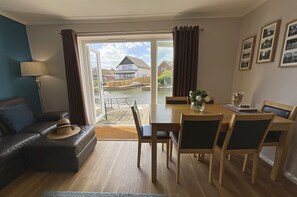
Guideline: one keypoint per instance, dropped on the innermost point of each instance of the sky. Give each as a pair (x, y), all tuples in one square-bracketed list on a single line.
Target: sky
[(113, 53)]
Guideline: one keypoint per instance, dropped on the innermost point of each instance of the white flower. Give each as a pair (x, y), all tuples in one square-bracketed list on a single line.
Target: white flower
[(198, 98), (191, 92), (207, 99)]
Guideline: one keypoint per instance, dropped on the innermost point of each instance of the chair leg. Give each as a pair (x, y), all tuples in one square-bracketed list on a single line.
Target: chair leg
[(200, 156), (222, 165), (171, 144), (244, 162), (138, 154), (255, 165), (210, 167), (167, 153), (229, 157), (177, 167)]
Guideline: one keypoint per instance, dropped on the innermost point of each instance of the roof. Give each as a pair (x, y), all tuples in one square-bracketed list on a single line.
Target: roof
[(133, 60), (169, 63)]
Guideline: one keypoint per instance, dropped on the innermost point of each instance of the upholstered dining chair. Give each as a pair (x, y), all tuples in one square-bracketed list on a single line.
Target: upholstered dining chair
[(198, 134), (245, 135), (177, 100), (144, 133), (282, 110)]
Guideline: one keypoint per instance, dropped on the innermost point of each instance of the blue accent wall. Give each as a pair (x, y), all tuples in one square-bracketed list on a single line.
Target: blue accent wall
[(14, 48)]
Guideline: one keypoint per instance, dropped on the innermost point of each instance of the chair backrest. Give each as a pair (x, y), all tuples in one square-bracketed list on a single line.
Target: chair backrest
[(247, 131), (212, 100), (282, 110), (199, 131), (137, 119), (177, 100)]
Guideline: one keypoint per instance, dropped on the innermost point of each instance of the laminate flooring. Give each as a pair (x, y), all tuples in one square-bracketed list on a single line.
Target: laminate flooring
[(112, 168)]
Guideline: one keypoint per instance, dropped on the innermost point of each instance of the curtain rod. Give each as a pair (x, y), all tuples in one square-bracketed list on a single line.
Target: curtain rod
[(201, 29)]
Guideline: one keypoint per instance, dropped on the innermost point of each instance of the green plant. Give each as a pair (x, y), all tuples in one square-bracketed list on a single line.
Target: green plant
[(165, 77)]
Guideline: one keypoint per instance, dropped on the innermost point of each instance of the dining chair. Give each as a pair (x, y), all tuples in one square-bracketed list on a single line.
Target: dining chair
[(177, 100), (245, 135), (144, 133), (282, 110), (198, 134)]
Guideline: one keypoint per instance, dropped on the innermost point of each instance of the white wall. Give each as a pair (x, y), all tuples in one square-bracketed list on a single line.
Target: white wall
[(268, 81), (218, 44)]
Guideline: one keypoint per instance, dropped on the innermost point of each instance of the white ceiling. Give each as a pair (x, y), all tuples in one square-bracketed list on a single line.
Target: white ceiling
[(73, 11)]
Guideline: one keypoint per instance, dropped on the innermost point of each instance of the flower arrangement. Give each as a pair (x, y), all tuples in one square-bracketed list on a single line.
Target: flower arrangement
[(198, 98)]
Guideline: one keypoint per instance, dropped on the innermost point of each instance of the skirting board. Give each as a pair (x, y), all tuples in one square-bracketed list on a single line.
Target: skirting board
[(286, 173)]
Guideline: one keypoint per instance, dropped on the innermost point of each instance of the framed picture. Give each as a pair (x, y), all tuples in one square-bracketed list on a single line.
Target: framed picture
[(247, 53), (268, 42), (289, 52)]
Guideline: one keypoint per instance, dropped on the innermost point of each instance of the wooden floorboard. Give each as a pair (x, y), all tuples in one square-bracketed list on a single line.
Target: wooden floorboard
[(112, 168)]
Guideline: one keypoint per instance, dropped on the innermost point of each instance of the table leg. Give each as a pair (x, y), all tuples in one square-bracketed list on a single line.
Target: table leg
[(281, 152), (154, 153)]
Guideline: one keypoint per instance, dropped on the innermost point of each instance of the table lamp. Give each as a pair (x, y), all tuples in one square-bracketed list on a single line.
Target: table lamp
[(34, 69)]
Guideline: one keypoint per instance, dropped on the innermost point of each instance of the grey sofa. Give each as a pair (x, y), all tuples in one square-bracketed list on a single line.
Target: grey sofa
[(19, 130)]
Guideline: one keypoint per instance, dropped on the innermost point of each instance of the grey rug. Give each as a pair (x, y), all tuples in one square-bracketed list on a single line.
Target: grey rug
[(96, 194)]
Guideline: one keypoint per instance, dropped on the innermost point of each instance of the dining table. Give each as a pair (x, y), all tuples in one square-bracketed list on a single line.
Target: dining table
[(166, 117)]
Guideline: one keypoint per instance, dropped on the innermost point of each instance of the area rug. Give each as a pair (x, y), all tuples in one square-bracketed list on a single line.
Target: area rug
[(96, 194), (107, 132)]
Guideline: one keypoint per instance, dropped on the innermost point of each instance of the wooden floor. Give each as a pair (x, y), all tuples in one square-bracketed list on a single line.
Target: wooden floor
[(112, 168)]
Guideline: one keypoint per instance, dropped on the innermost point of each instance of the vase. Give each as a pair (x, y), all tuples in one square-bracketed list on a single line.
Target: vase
[(199, 107)]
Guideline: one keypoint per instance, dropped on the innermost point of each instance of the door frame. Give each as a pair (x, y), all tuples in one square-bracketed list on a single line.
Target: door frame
[(83, 40)]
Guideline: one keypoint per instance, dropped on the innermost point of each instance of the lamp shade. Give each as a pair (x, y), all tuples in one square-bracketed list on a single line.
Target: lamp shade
[(33, 69)]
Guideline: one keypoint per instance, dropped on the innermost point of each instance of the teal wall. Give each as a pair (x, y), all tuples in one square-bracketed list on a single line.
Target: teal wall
[(14, 48)]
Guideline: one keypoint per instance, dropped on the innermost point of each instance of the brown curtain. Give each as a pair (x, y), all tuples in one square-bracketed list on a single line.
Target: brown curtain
[(75, 93), (185, 59)]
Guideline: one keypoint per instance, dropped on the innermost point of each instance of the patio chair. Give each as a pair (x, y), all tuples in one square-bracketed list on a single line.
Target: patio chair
[(245, 135), (198, 134), (144, 133)]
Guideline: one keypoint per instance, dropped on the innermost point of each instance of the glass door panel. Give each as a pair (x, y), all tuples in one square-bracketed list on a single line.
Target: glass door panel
[(96, 84), (164, 69)]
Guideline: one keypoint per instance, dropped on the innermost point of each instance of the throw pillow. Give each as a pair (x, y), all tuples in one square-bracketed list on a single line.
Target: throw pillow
[(17, 117)]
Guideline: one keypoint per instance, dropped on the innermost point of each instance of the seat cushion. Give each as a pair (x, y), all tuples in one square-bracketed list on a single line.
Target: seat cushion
[(43, 128), (17, 117), (12, 144), (273, 136), (147, 133)]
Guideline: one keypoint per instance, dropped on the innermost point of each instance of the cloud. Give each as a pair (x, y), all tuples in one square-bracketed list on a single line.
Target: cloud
[(111, 54)]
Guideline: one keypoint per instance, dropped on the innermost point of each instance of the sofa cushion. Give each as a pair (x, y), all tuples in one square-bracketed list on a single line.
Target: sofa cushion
[(43, 128), (17, 117), (52, 116), (12, 144), (3, 130)]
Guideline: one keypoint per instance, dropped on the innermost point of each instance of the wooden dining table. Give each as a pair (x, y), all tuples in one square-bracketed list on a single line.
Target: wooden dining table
[(166, 117)]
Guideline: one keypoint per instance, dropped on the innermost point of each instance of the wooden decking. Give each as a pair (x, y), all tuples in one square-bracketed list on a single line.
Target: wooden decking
[(122, 115)]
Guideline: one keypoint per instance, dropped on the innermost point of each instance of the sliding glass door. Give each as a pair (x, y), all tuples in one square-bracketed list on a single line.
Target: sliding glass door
[(137, 67)]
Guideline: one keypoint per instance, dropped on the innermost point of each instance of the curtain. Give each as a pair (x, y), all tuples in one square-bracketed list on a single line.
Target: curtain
[(72, 67), (185, 59)]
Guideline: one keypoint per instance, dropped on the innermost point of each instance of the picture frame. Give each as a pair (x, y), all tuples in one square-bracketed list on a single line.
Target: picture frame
[(247, 53), (268, 42), (289, 50)]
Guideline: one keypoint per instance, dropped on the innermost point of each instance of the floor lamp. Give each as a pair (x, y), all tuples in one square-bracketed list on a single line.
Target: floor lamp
[(34, 69)]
